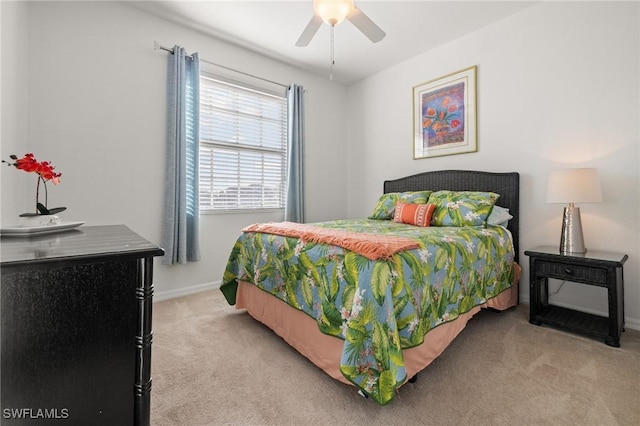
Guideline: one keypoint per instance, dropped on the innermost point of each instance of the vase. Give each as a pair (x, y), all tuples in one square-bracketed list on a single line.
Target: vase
[(43, 217), (39, 220), (441, 133)]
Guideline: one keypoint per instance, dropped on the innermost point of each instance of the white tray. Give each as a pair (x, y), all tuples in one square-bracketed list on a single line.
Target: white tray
[(28, 231)]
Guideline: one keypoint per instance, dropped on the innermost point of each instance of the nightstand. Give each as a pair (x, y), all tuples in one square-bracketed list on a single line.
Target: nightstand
[(597, 268)]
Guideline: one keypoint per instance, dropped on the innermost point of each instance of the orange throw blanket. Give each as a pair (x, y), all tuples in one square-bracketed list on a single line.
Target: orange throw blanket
[(371, 246)]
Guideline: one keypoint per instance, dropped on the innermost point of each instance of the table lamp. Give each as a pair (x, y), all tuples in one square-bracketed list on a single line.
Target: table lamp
[(573, 186)]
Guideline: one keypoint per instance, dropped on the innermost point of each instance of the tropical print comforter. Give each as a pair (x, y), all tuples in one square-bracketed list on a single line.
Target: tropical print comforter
[(378, 307)]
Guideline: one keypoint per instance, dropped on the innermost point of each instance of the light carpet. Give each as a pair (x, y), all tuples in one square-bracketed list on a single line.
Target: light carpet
[(214, 365)]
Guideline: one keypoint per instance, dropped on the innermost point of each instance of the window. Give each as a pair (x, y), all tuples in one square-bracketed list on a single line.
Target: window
[(243, 147)]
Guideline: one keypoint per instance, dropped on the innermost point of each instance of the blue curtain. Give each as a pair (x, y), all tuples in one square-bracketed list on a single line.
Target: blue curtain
[(294, 208), (180, 238)]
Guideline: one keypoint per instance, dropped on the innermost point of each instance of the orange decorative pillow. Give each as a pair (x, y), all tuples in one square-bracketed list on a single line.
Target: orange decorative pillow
[(413, 214)]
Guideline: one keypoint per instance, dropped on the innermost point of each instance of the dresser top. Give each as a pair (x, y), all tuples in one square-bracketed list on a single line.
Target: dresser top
[(82, 242)]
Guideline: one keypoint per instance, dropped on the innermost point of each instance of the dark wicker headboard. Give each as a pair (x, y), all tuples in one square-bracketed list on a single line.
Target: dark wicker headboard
[(505, 184)]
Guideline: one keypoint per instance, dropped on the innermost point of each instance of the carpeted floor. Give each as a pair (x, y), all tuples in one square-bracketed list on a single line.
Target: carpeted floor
[(213, 365)]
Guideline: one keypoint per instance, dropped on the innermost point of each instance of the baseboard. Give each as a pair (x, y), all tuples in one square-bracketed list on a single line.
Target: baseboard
[(172, 294), (631, 323)]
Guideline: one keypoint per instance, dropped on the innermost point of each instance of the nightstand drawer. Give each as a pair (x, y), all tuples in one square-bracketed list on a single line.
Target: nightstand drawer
[(572, 272)]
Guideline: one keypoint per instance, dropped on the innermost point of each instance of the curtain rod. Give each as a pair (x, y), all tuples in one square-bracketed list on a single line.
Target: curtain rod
[(157, 46)]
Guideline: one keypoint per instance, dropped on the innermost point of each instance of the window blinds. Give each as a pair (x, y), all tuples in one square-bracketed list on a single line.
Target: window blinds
[(243, 147)]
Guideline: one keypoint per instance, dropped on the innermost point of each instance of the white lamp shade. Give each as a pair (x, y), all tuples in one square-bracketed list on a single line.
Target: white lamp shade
[(574, 186), (332, 11)]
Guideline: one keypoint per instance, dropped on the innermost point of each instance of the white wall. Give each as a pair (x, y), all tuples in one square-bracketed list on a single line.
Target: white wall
[(558, 87), (86, 91), (13, 129)]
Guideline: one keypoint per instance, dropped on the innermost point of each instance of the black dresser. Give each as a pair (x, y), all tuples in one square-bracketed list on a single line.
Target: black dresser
[(76, 327)]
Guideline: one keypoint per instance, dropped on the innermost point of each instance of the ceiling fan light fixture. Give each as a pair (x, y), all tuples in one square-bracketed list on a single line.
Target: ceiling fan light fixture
[(333, 11)]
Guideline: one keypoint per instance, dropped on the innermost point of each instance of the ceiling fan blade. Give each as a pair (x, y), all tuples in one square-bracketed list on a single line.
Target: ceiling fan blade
[(366, 25), (309, 31)]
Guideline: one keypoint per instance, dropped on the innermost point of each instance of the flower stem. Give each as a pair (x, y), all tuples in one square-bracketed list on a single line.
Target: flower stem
[(38, 193), (46, 193)]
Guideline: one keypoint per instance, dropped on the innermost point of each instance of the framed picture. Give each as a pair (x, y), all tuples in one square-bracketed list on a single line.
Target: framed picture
[(444, 115)]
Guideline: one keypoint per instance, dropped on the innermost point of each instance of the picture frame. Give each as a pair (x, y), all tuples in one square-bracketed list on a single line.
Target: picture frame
[(444, 115)]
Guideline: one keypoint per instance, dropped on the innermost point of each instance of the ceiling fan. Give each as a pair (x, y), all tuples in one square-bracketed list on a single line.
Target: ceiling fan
[(332, 12)]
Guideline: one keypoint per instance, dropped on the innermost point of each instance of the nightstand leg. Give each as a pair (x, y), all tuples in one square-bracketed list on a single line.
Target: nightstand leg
[(612, 342), (615, 290), (538, 295)]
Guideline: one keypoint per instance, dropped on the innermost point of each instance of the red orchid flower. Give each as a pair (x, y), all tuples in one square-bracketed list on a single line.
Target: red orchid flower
[(45, 172), (29, 164)]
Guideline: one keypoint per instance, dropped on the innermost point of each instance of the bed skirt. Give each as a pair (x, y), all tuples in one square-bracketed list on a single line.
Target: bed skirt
[(301, 331)]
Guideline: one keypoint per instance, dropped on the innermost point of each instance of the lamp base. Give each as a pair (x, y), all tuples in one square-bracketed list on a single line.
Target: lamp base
[(571, 240)]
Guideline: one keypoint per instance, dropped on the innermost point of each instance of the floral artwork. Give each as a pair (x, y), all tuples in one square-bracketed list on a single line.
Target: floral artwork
[(444, 115)]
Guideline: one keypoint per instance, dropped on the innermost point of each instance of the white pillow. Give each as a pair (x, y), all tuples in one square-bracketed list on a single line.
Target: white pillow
[(499, 216)]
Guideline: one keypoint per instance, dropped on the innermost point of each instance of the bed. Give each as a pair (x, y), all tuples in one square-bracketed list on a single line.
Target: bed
[(373, 302)]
